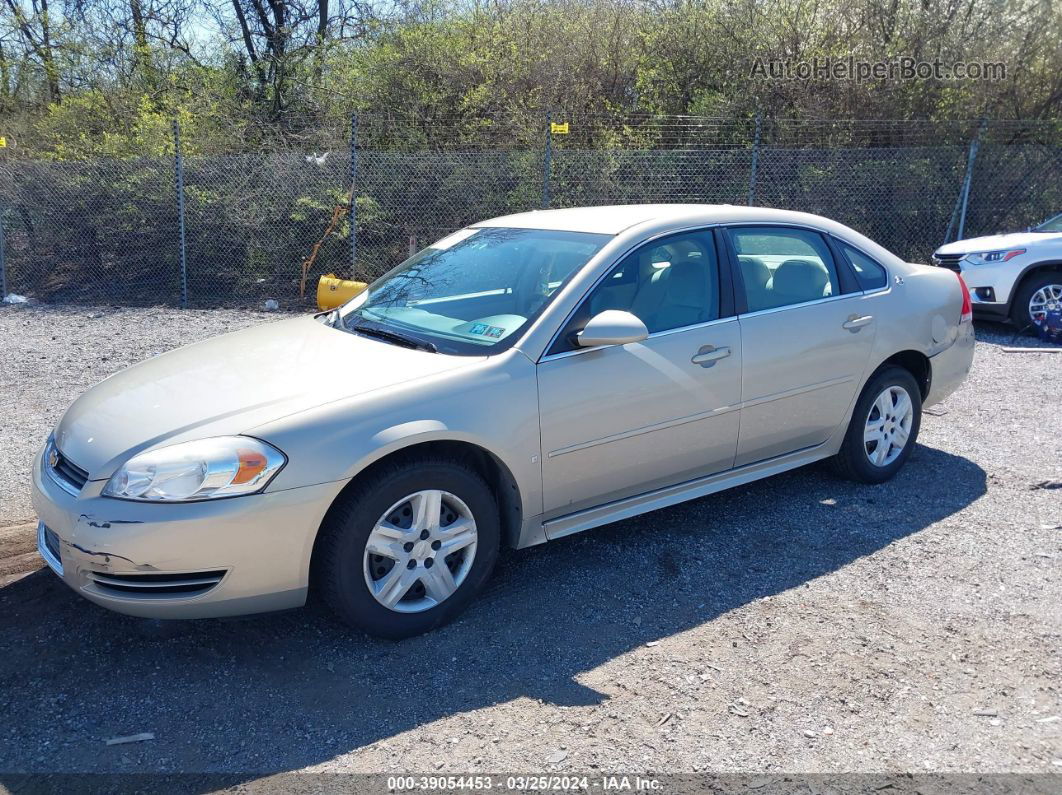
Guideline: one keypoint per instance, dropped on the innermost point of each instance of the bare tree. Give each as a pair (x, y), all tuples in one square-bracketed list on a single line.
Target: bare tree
[(35, 26), (276, 35)]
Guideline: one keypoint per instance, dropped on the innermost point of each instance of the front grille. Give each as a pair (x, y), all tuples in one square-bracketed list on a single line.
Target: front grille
[(64, 470), (949, 261), (157, 586)]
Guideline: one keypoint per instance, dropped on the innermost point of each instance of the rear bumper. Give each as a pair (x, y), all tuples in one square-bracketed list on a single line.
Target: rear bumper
[(950, 367), (191, 560)]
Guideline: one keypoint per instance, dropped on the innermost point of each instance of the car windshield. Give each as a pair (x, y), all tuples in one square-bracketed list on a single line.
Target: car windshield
[(472, 292), (1051, 225)]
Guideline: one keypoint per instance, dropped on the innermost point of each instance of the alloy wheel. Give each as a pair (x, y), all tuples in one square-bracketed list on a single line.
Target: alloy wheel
[(1044, 300), (420, 551), (888, 426)]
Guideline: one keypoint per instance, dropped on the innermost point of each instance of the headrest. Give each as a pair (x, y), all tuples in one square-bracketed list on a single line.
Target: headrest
[(800, 278), (754, 270), (687, 283)]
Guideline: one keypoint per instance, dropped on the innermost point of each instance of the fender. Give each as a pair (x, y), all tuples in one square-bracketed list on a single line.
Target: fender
[(337, 441), (397, 438)]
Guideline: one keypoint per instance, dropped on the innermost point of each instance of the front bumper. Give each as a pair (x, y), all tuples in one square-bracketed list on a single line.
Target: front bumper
[(221, 557), (988, 310), (990, 285)]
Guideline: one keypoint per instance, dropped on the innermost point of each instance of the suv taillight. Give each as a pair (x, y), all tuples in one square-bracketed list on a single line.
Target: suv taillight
[(967, 303)]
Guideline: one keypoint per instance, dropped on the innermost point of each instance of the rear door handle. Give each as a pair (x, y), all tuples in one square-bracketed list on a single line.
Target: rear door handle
[(856, 322), (709, 355)]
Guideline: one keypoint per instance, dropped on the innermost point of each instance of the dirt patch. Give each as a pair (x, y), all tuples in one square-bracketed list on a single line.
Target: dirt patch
[(18, 551)]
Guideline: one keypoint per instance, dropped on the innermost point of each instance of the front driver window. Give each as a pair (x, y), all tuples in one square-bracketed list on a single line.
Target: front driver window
[(667, 284), (782, 266)]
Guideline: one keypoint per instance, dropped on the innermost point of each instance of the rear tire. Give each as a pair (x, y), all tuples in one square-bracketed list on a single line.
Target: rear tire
[(1037, 283), (883, 429), (380, 513)]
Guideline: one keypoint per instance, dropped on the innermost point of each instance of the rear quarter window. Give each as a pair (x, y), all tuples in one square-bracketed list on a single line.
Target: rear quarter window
[(870, 274)]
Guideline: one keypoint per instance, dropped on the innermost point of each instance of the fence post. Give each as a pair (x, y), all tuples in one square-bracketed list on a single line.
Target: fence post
[(755, 161), (178, 166), (974, 146), (964, 194), (3, 263), (353, 195), (547, 160)]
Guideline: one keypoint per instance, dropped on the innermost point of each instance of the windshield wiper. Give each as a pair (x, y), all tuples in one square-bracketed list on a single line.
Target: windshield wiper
[(397, 339)]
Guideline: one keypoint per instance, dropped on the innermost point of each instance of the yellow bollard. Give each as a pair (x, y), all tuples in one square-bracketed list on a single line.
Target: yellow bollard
[(333, 291)]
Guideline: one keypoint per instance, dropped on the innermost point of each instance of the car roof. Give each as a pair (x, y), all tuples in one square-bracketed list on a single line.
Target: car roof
[(643, 220), (614, 219)]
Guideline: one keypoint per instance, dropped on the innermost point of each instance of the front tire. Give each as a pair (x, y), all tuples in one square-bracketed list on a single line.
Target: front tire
[(883, 429), (407, 547), (1038, 293)]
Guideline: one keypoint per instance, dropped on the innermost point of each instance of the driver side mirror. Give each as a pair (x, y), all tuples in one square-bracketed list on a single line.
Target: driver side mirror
[(611, 327)]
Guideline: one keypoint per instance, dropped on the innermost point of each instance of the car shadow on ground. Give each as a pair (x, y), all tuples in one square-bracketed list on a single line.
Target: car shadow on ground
[(281, 692)]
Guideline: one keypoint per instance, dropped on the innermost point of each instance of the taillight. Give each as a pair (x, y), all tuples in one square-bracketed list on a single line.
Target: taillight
[(967, 303)]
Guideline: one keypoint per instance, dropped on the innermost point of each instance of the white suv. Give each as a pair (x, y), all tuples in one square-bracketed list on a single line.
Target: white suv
[(1016, 276)]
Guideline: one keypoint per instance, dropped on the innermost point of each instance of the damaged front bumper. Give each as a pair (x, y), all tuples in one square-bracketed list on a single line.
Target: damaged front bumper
[(221, 557)]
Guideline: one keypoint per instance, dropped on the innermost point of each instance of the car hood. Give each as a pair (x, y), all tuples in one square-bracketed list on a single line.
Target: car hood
[(975, 245), (229, 384)]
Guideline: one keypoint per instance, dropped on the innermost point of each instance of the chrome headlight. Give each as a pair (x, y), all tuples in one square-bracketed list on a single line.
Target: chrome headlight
[(993, 257), (224, 466)]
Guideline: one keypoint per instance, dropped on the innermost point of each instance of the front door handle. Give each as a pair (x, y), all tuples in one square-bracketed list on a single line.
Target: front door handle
[(856, 322), (709, 355)]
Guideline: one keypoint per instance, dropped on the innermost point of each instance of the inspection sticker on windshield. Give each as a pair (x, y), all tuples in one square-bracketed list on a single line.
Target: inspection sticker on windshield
[(487, 331)]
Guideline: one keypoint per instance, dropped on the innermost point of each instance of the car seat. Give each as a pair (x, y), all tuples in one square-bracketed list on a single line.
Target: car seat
[(796, 281), (685, 298), (757, 278)]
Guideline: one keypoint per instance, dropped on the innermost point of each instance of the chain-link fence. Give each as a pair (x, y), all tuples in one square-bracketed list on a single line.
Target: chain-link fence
[(239, 228)]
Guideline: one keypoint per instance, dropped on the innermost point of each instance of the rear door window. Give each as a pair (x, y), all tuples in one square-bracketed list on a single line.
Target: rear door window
[(783, 266)]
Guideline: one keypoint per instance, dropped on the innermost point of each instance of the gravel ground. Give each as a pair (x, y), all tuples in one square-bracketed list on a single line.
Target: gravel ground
[(800, 624)]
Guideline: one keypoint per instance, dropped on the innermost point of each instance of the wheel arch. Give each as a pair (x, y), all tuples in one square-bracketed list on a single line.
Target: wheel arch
[(1027, 273), (916, 363), (487, 464)]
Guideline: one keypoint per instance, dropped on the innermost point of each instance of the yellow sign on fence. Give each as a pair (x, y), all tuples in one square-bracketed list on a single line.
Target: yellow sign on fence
[(558, 128), (3, 141)]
